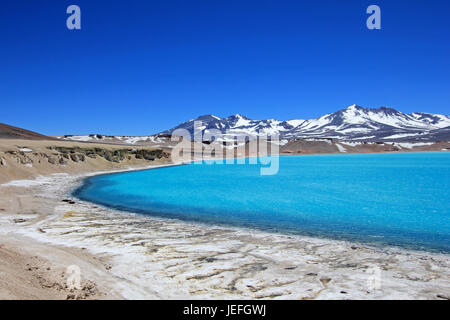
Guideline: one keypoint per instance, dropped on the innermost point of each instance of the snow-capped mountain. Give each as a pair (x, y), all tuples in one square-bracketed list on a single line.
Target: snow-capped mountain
[(353, 123)]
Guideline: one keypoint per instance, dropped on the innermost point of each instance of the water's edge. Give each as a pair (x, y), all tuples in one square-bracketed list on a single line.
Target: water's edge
[(379, 244)]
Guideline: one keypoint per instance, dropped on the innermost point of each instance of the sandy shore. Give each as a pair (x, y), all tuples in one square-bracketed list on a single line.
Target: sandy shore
[(121, 255)]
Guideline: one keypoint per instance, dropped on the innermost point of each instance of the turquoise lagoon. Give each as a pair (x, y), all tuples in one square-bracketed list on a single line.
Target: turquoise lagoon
[(394, 199)]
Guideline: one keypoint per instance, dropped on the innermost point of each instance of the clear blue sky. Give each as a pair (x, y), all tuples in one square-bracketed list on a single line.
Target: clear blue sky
[(140, 67)]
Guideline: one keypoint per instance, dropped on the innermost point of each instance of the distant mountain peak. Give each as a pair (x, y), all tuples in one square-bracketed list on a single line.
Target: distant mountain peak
[(354, 107), (238, 116), (386, 110), (208, 117)]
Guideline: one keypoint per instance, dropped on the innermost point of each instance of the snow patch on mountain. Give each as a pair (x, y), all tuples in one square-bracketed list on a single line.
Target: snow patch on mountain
[(341, 148), (133, 140)]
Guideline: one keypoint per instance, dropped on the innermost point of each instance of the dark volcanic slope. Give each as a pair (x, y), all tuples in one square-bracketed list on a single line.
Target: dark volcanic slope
[(10, 132)]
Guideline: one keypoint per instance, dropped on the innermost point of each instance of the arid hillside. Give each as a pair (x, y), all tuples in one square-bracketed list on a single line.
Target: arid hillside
[(20, 159), (10, 132)]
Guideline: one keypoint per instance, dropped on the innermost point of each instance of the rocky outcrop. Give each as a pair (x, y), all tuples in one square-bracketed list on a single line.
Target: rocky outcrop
[(51, 160), (78, 154), (20, 157), (43, 158), (74, 157), (59, 155)]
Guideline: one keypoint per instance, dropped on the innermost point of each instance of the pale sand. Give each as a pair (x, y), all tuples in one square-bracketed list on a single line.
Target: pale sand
[(122, 255), (37, 270)]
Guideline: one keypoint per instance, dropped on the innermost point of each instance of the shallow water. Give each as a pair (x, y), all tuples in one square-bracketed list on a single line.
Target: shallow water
[(397, 199)]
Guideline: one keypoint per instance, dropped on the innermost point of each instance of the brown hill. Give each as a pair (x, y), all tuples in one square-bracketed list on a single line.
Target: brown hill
[(10, 132)]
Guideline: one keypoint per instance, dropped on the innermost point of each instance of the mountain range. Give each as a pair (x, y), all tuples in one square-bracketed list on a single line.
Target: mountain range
[(354, 123)]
